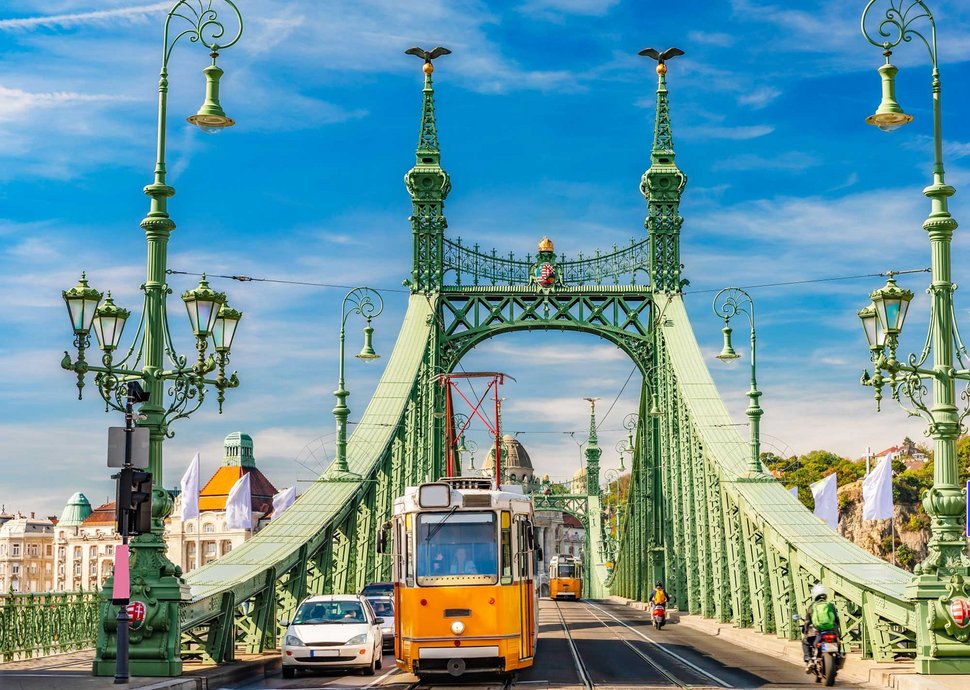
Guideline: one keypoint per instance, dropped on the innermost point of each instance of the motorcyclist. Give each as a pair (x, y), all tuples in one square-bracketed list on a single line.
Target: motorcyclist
[(821, 615), (659, 595)]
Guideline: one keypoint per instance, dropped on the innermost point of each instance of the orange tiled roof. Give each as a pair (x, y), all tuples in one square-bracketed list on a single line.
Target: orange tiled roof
[(214, 494), (102, 515)]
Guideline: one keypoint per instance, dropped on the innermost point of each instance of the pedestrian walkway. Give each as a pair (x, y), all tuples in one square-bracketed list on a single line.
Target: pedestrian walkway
[(73, 672)]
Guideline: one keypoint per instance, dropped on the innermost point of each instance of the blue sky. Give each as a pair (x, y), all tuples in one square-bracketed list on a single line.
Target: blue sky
[(545, 116)]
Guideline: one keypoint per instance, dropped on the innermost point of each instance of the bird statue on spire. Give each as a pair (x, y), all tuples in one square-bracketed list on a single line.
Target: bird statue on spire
[(428, 56), (661, 58)]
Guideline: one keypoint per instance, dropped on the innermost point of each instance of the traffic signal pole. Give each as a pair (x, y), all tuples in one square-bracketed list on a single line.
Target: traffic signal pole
[(130, 503)]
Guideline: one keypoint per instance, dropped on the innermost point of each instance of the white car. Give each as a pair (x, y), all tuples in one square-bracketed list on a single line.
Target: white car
[(333, 631), (384, 608)]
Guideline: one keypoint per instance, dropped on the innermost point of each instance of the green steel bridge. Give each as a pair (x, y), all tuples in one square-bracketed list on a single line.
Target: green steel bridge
[(736, 547)]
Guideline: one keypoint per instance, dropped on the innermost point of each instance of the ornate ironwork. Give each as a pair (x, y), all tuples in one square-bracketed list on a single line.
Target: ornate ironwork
[(52, 623), (472, 267)]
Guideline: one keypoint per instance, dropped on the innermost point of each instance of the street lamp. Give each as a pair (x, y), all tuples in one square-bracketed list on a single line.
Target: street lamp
[(175, 387), (361, 300), (727, 304), (946, 563)]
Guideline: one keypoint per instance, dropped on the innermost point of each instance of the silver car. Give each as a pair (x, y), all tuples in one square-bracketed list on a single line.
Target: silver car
[(384, 608), (333, 631)]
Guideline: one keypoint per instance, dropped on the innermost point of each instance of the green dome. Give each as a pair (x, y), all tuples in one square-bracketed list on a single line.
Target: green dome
[(76, 511)]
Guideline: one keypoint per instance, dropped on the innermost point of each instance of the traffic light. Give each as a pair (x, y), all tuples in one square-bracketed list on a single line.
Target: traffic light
[(134, 504)]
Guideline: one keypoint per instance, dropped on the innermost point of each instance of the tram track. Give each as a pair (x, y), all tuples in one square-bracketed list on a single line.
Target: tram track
[(660, 647), (581, 671), (681, 673)]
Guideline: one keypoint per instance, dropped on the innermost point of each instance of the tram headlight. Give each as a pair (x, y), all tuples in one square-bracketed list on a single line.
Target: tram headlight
[(292, 641), (458, 627), (357, 639)]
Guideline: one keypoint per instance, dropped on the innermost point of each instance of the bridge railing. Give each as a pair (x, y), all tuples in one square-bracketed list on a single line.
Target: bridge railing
[(38, 624), (731, 548), (471, 266)]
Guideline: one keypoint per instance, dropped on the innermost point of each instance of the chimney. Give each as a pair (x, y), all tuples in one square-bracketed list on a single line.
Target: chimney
[(31, 515)]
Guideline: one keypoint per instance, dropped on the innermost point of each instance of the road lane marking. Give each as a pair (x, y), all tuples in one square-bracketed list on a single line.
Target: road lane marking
[(663, 648)]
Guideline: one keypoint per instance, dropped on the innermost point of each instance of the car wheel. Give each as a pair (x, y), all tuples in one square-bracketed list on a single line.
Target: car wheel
[(371, 669), (289, 672)]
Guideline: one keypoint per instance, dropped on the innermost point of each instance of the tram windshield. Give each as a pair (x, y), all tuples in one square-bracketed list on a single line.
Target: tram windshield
[(568, 570), (457, 545)]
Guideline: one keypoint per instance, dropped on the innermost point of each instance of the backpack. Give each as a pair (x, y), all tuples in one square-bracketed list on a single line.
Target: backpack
[(660, 596), (823, 615)]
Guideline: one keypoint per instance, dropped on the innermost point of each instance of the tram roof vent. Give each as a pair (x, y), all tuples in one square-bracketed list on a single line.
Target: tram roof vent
[(480, 483)]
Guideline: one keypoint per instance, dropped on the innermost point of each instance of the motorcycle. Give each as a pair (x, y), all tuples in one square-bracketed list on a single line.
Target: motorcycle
[(827, 658), (659, 615)]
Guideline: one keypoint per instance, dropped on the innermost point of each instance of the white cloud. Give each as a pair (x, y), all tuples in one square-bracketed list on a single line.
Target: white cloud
[(789, 161), (759, 97), (740, 132), (73, 20), (711, 38), (549, 9)]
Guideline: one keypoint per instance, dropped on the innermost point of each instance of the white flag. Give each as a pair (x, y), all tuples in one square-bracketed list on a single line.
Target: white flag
[(239, 505), (794, 492), (826, 501), (877, 491), (190, 490), (283, 500)]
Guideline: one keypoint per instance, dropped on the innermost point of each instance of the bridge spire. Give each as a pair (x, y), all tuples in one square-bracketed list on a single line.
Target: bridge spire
[(428, 184), (661, 185), (592, 452)]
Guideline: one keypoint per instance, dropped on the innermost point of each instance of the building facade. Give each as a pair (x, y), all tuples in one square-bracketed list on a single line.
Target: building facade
[(85, 542), (197, 541), (26, 554)]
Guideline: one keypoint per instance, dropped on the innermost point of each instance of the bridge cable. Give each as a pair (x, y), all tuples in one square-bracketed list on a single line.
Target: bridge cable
[(884, 274)]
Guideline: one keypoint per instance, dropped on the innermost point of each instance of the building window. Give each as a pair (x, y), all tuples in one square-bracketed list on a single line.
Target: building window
[(226, 546), (77, 553), (77, 570), (3, 549), (92, 552), (50, 550), (210, 549), (93, 569), (209, 529), (15, 569), (15, 550), (32, 550), (109, 550)]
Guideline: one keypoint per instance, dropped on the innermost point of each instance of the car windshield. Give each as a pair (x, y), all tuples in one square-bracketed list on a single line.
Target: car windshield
[(457, 545), (378, 588), (383, 608), (316, 612)]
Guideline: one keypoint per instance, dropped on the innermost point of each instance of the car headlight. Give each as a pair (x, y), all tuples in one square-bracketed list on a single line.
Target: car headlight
[(357, 639), (292, 641)]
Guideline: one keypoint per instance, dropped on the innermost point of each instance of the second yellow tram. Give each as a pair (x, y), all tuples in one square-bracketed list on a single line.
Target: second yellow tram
[(465, 579), (565, 577)]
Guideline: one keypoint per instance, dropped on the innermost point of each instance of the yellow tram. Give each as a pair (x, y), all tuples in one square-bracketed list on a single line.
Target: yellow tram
[(465, 585), (565, 577)]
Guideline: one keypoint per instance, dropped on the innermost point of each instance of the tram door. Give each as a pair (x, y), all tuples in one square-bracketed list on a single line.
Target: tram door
[(526, 584)]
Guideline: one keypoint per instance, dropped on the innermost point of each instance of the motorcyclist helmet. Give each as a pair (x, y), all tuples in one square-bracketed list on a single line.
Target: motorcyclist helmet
[(819, 592), (660, 585)]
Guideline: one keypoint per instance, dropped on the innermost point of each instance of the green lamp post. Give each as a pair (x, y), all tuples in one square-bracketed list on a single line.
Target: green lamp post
[(728, 303), (361, 300), (940, 581), (175, 387)]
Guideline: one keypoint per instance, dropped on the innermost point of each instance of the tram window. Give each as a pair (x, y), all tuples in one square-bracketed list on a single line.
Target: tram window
[(567, 570), (456, 545), (506, 549)]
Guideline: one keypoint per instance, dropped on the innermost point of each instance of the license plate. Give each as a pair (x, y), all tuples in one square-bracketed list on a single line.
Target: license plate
[(830, 647), (323, 652)]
